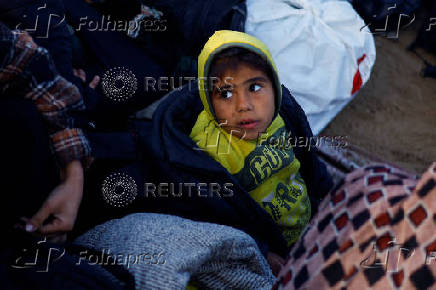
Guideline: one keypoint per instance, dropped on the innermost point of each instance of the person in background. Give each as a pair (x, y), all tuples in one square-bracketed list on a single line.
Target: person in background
[(45, 153)]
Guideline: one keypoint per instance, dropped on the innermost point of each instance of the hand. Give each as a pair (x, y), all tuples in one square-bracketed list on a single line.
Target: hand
[(275, 262), (59, 211), (80, 73)]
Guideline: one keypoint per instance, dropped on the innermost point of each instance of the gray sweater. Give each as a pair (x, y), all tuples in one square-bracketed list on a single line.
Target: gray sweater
[(165, 252)]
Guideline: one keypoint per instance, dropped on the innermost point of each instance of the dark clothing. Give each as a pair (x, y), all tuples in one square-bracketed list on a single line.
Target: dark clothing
[(33, 263), (189, 25), (97, 52), (105, 51), (172, 158), (195, 21), (168, 157), (29, 166), (36, 105), (45, 22), (28, 72)]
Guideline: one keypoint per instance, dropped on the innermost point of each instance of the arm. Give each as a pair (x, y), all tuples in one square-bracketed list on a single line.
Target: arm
[(27, 70), (275, 262), (62, 204)]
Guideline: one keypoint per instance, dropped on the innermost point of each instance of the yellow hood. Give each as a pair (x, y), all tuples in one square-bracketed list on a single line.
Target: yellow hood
[(221, 40)]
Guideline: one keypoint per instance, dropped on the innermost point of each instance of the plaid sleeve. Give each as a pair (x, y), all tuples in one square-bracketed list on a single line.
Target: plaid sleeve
[(26, 69)]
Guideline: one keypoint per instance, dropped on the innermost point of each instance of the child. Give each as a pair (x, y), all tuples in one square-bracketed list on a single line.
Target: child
[(230, 138), (243, 100), (242, 95)]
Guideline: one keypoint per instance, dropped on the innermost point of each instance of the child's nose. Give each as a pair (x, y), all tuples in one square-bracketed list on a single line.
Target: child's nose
[(243, 103)]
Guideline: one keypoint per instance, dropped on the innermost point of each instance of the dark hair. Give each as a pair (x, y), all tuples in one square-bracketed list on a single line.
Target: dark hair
[(232, 57)]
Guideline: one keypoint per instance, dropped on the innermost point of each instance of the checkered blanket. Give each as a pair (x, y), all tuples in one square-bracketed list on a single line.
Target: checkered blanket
[(377, 230)]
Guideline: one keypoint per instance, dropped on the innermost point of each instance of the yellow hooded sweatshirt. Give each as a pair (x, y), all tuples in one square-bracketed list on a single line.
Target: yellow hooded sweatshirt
[(269, 172)]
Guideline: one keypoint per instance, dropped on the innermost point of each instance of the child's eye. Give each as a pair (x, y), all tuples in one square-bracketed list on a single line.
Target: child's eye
[(226, 94), (255, 87)]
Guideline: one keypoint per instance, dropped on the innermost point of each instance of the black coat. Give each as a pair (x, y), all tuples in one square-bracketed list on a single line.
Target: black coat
[(169, 157)]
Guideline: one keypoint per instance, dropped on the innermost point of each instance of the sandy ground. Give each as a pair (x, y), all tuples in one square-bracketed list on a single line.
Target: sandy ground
[(394, 115)]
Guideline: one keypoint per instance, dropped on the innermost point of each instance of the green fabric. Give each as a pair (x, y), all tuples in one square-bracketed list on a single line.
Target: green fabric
[(269, 173), (267, 170)]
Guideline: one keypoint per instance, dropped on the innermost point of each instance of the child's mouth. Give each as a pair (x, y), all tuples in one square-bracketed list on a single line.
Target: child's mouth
[(248, 124)]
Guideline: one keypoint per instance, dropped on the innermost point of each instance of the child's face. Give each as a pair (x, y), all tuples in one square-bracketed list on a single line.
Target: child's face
[(243, 100)]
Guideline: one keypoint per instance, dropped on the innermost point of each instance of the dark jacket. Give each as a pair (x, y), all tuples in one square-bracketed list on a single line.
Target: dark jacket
[(169, 157), (44, 20)]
